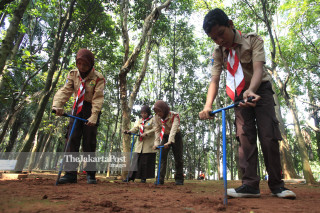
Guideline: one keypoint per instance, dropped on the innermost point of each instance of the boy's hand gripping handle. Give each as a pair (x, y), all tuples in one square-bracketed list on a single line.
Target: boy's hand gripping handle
[(71, 116), (231, 106)]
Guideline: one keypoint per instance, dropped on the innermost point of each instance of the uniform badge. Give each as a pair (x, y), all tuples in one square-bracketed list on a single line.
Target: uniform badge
[(92, 83)]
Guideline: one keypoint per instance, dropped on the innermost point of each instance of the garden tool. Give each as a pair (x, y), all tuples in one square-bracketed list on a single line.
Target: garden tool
[(68, 143)]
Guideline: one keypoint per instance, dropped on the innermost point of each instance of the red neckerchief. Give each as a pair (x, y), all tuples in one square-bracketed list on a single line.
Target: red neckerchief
[(144, 120)]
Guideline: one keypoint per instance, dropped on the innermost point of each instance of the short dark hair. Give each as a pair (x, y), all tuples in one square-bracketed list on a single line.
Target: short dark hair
[(146, 109), (215, 17)]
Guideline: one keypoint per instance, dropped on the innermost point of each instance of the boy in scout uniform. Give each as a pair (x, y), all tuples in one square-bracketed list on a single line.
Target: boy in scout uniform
[(87, 85), (144, 157), (167, 133), (242, 56)]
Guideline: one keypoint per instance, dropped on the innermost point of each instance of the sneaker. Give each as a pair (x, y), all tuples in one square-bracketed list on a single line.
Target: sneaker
[(68, 178), (283, 192), (244, 191), (179, 182)]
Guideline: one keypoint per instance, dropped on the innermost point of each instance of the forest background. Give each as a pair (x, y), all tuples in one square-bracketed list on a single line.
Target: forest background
[(149, 50)]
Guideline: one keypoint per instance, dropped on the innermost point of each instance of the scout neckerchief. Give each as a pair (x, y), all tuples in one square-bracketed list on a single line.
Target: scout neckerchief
[(144, 120), (164, 127), (235, 78), (80, 97)]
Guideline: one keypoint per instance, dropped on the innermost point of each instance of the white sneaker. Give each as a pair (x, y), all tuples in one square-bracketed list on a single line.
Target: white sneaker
[(283, 192), (244, 191)]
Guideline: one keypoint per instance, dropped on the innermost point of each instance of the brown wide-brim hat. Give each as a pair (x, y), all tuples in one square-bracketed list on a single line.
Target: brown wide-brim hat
[(85, 55), (163, 107)]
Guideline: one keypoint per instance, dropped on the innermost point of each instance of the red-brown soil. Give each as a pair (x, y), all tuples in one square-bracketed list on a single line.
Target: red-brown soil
[(37, 193)]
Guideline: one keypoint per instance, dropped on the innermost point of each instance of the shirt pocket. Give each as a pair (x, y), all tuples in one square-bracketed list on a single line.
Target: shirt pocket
[(89, 91)]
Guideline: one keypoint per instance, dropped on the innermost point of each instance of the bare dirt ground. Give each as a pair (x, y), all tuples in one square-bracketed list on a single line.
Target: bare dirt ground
[(37, 193)]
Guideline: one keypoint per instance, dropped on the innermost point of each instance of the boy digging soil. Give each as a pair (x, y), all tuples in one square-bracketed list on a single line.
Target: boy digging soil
[(243, 56)]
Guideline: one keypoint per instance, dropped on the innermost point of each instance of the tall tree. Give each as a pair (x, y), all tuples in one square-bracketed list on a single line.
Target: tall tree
[(7, 43), (267, 9), (129, 60), (49, 84)]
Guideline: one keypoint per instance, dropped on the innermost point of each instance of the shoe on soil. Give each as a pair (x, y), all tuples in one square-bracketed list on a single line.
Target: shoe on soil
[(244, 191), (283, 192), (68, 178), (161, 182), (127, 180), (91, 179), (179, 182), (143, 180)]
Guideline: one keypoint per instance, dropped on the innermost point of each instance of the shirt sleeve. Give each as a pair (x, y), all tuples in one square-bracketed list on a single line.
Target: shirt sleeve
[(217, 62), (98, 98), (64, 93), (258, 53), (136, 127), (157, 131), (174, 129)]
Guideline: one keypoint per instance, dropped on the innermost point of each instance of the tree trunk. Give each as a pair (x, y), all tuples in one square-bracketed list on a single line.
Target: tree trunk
[(128, 63), (285, 152), (13, 134), (3, 17), (45, 149), (314, 114), (231, 142), (17, 46), (7, 42), (48, 85), (301, 143)]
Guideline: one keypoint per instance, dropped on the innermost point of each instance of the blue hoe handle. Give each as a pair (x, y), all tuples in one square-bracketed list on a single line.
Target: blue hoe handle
[(159, 166), (71, 116), (230, 106), (132, 145), (68, 143), (224, 142)]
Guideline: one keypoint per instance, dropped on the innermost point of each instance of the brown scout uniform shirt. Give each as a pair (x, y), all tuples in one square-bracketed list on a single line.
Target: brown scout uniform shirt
[(144, 146), (250, 49), (94, 85), (172, 126)]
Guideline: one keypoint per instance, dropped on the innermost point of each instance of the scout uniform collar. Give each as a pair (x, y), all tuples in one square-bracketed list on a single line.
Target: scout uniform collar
[(89, 76), (237, 37), (237, 40), (167, 117)]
